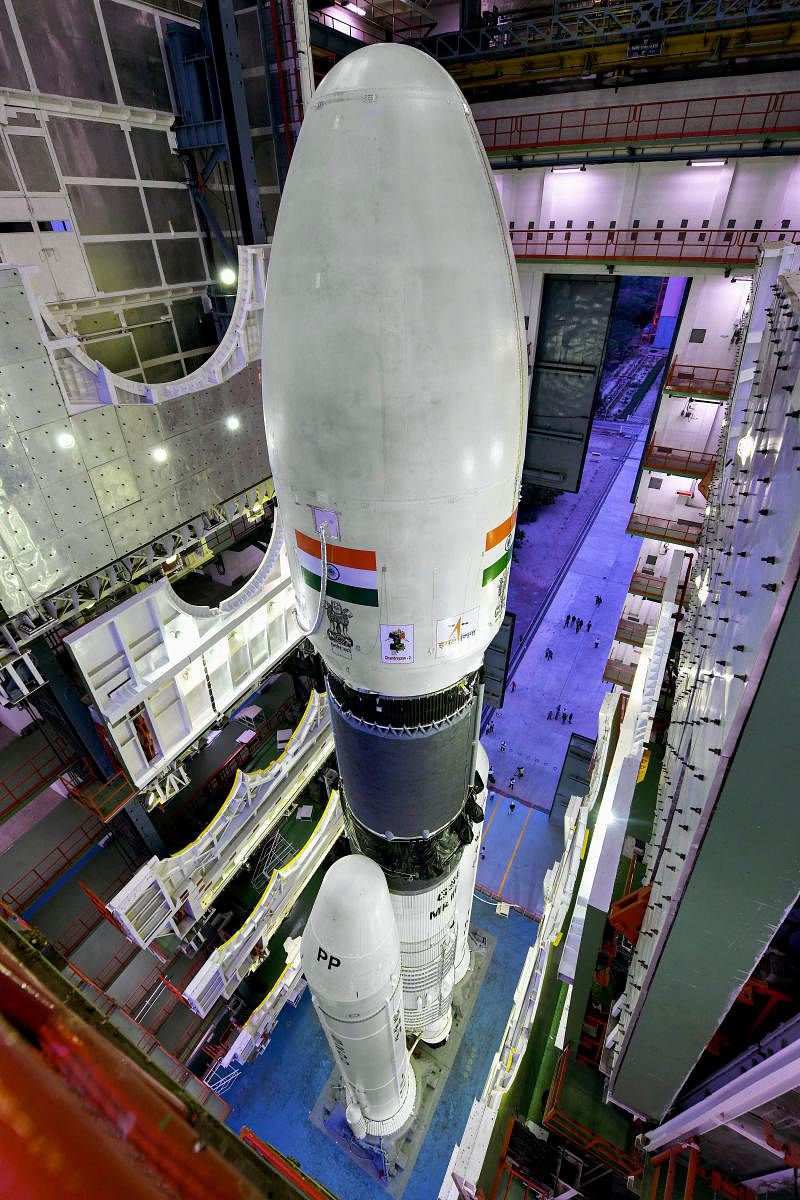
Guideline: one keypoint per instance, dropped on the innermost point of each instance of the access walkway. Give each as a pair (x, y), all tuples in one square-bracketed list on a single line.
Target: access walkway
[(520, 844)]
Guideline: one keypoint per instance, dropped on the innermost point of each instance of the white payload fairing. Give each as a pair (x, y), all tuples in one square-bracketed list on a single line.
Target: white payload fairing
[(395, 394)]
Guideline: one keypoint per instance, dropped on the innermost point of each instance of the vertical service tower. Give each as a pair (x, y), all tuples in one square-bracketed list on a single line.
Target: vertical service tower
[(395, 392)]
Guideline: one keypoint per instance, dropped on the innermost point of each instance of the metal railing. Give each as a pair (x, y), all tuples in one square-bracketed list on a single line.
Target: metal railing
[(597, 24), (647, 245), (677, 532), (647, 586), (90, 918), (34, 775), (103, 797), (555, 1118), (632, 632), (115, 965), (30, 886), (660, 120), (345, 27), (145, 1040), (706, 381), (619, 672), (678, 462)]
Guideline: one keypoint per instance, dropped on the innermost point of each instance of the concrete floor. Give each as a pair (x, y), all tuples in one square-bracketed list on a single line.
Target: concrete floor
[(521, 845)]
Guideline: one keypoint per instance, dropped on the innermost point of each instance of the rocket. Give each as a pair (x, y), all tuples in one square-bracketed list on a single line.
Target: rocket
[(395, 395)]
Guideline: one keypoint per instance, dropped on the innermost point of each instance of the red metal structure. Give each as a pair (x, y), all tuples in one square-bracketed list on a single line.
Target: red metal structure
[(80, 1118), (722, 116), (666, 531), (288, 1169), (647, 586), (693, 463), (632, 632), (35, 881), (555, 1118), (646, 245), (44, 766), (627, 914), (705, 381), (619, 672)]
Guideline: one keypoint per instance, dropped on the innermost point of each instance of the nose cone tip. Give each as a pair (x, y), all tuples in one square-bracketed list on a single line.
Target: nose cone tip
[(386, 66), (353, 886)]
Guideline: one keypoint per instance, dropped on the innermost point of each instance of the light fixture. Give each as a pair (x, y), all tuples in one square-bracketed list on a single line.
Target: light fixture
[(173, 558), (745, 448), (227, 276), (232, 422), (741, 278), (707, 162), (571, 170), (702, 587), (361, 12), (65, 440), (160, 454)]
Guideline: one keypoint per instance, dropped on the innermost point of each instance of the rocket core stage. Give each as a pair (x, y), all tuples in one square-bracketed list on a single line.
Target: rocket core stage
[(395, 391)]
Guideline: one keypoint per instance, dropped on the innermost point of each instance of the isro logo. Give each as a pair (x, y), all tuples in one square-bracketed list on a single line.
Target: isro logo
[(454, 632)]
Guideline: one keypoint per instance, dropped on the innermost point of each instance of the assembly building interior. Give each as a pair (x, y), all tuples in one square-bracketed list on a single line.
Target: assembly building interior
[(180, 767)]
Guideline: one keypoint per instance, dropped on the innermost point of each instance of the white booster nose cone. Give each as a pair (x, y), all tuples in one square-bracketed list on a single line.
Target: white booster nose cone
[(351, 959)]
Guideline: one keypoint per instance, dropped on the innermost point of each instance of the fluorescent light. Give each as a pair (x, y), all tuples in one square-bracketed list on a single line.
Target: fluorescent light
[(567, 170), (232, 422), (362, 12), (65, 440), (702, 587), (227, 276), (160, 454), (745, 448), (707, 162)]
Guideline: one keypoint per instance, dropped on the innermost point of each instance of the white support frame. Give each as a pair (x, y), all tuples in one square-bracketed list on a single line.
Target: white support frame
[(170, 895), (227, 966)]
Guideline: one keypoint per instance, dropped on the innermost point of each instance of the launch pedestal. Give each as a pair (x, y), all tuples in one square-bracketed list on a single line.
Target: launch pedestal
[(391, 1161)]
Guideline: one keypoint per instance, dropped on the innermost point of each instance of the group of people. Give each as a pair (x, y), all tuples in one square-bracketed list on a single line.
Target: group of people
[(572, 619), (565, 719)]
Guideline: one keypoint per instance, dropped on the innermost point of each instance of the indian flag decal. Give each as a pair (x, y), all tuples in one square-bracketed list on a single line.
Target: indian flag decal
[(499, 543), (352, 574)]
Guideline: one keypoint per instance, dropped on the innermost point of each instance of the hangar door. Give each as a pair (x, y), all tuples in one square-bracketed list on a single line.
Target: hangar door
[(574, 324)]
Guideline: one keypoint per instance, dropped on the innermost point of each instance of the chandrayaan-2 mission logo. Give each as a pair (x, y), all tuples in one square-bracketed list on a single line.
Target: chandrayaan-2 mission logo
[(397, 643)]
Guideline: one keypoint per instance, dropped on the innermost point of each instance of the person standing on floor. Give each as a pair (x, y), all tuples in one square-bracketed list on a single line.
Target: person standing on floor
[(567, 619), (588, 626)]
